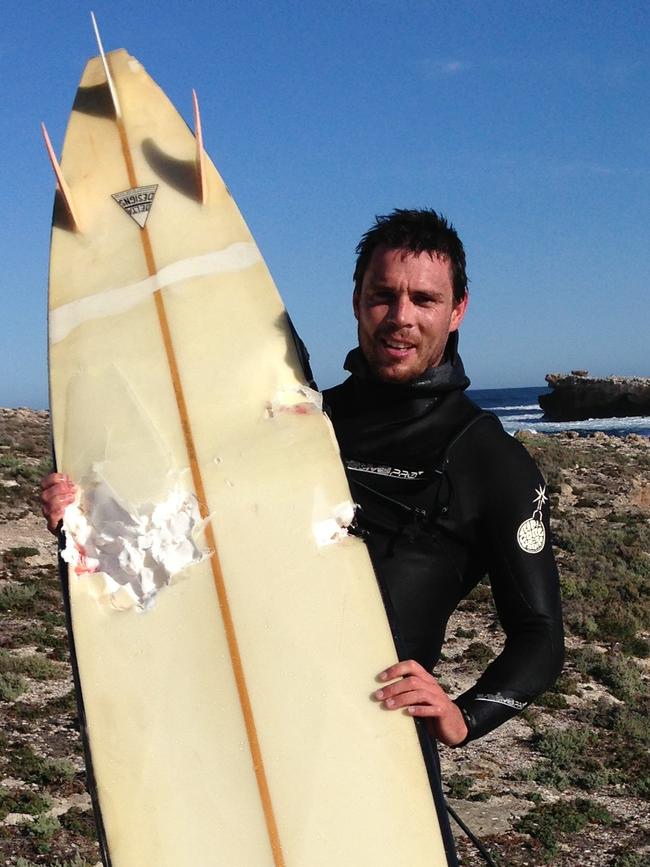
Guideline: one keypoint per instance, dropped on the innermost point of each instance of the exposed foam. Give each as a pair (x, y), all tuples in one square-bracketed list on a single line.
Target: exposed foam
[(334, 527), (136, 550)]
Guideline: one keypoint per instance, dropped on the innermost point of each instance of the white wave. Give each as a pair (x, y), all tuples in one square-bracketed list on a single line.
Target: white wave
[(633, 424), (522, 417), (498, 409)]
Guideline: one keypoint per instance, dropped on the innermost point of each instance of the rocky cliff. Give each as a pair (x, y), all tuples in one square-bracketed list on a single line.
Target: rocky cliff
[(577, 396)]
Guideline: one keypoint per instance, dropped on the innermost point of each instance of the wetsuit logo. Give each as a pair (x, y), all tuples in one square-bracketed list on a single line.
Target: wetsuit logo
[(531, 535), (390, 472), (137, 202), (498, 698)]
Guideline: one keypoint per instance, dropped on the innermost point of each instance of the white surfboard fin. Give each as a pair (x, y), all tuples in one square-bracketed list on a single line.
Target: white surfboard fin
[(109, 77), (200, 153), (61, 183)]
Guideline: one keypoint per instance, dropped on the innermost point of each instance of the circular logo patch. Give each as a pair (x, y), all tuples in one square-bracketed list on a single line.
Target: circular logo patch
[(531, 536)]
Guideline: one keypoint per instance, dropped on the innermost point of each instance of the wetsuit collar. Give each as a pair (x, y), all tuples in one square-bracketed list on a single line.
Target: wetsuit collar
[(448, 376)]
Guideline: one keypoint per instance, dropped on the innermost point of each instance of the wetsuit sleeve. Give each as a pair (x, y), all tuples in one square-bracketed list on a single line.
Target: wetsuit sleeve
[(515, 534)]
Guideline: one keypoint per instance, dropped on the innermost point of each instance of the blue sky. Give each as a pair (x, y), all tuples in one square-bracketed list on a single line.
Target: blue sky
[(527, 124)]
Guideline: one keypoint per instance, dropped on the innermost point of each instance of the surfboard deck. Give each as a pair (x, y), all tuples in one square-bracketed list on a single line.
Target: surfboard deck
[(227, 710)]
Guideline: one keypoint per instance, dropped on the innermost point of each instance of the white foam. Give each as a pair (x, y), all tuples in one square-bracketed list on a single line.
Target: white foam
[(516, 406), (616, 425), (335, 527), (298, 399), (136, 550)]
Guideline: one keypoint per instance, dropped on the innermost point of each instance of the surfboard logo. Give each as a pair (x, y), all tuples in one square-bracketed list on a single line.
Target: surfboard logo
[(531, 535), (137, 202)]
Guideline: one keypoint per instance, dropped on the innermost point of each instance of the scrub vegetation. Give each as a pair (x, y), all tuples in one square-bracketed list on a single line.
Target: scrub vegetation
[(581, 753), (566, 783)]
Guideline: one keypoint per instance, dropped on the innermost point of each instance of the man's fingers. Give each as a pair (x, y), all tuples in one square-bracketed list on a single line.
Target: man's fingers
[(57, 492), (416, 692), (425, 710), (53, 514), (401, 669), (407, 684), (56, 504), (412, 697), (55, 479)]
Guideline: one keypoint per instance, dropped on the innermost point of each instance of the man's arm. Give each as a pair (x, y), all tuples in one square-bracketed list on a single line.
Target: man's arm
[(525, 587)]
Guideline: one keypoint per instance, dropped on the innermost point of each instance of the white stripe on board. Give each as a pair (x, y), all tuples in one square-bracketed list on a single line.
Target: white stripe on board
[(67, 317)]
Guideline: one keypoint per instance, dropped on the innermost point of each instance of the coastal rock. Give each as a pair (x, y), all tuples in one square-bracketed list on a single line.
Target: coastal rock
[(576, 397)]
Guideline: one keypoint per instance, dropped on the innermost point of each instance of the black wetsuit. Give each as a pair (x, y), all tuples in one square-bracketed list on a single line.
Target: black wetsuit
[(445, 497)]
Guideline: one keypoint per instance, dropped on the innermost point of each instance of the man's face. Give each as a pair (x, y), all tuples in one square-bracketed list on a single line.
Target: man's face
[(406, 311)]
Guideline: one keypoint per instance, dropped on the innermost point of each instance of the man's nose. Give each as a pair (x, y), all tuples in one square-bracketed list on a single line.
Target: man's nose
[(401, 312)]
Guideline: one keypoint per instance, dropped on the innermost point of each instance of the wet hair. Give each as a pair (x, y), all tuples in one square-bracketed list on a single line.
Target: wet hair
[(420, 230)]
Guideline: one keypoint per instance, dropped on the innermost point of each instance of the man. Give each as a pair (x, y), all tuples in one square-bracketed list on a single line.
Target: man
[(445, 495)]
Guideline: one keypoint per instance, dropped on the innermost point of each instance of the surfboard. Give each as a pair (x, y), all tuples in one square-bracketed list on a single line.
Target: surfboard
[(226, 628)]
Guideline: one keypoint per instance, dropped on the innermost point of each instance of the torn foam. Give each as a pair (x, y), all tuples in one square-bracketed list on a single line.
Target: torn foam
[(136, 550)]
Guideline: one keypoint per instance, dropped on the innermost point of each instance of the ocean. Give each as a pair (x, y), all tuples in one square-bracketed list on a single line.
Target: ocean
[(518, 409)]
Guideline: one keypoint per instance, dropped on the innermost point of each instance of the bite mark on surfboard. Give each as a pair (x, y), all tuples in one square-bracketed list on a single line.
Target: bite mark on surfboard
[(135, 550), (300, 400), (334, 527)]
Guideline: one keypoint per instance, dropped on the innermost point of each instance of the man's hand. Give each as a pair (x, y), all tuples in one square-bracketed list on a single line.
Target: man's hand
[(421, 695), (57, 492)]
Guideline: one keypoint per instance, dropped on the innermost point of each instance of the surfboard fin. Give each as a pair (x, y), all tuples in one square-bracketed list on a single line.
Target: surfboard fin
[(109, 77), (200, 153), (64, 189)]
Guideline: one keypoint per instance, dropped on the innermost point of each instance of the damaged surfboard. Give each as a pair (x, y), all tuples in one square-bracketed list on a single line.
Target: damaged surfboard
[(226, 628)]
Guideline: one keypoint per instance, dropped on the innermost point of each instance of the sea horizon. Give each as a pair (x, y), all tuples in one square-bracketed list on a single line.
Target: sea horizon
[(518, 409)]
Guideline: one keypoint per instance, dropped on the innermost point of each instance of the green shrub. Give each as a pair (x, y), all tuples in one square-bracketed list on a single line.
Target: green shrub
[(41, 831), (629, 859), (639, 647), (24, 764), (34, 665), (615, 671), (77, 861), (11, 686), (552, 700), (78, 822), (15, 555), (547, 822), (16, 597), (479, 652), (459, 785), (22, 801), (21, 470), (566, 684)]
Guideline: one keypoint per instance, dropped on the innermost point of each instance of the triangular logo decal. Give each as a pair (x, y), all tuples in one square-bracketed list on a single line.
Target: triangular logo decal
[(137, 202)]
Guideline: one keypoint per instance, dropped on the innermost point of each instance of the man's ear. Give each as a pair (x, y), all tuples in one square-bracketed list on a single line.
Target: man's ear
[(458, 313), (355, 303)]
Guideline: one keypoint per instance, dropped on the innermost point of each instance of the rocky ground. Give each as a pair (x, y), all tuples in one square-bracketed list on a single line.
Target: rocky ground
[(566, 783)]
